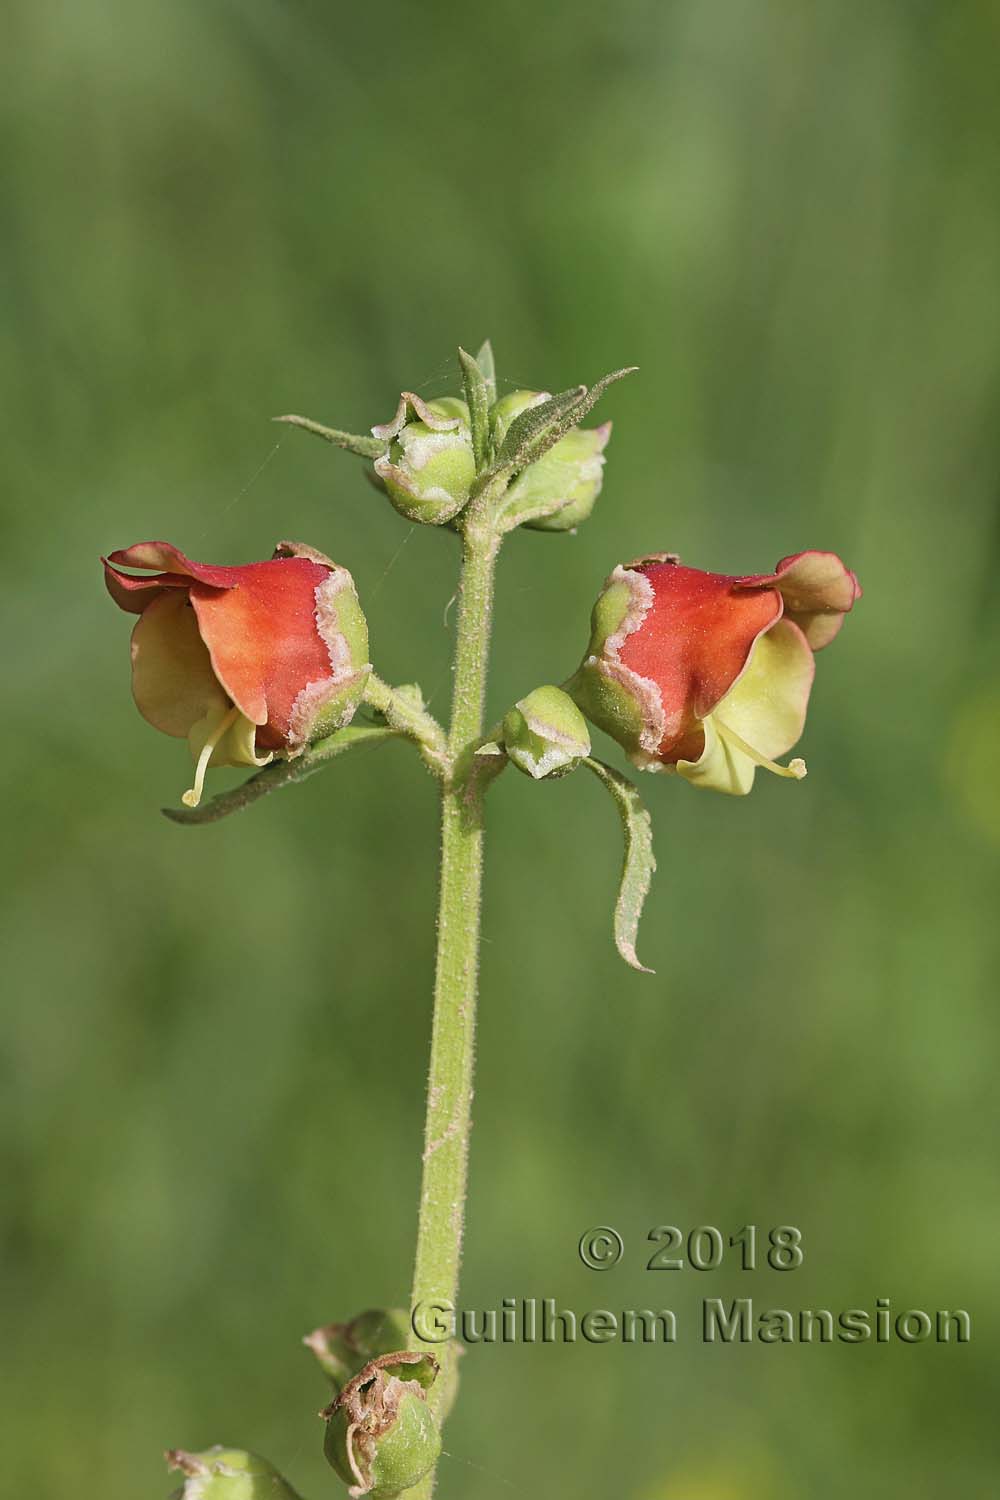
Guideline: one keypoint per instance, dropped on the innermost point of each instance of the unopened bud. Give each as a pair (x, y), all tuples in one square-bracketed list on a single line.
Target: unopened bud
[(228, 1474), (430, 466), (567, 478), (381, 1437), (545, 734)]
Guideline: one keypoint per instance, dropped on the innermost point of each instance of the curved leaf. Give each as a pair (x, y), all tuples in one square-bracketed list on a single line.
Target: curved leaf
[(638, 864)]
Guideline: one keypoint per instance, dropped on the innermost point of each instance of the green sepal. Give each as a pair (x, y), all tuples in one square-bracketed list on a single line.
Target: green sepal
[(545, 734), (638, 863), (364, 447), (619, 700), (281, 773), (477, 398), (381, 1436), (610, 702), (487, 366), (609, 612), (444, 414), (228, 1474)]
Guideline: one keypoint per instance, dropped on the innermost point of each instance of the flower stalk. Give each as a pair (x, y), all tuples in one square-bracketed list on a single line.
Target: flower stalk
[(449, 1090)]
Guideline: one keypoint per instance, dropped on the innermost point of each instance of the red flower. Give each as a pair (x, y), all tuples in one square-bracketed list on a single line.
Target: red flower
[(709, 675), (242, 661)]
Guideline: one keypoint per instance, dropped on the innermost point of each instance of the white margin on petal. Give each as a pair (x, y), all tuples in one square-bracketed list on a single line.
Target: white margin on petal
[(314, 697), (408, 399), (642, 596)]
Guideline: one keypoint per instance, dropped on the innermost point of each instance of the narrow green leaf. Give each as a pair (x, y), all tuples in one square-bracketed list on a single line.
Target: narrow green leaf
[(364, 447), (281, 773), (486, 363), (638, 864), (535, 422), (597, 390), (478, 401), (570, 417)]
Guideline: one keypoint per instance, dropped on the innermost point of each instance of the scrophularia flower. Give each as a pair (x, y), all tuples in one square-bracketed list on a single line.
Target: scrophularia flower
[(244, 662), (708, 675)]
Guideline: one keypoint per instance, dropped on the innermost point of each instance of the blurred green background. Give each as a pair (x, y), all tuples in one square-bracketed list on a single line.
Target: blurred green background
[(214, 1040)]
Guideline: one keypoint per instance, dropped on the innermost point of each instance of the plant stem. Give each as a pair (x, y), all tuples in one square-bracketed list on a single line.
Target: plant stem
[(449, 1091), (406, 714)]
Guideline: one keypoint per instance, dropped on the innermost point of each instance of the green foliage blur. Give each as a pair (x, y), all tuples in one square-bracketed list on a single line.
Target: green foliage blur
[(214, 1040)]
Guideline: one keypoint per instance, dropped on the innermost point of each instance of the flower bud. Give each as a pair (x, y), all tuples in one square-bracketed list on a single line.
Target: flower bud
[(571, 471), (503, 412), (381, 1437), (430, 466), (343, 1349), (228, 1474), (545, 734)]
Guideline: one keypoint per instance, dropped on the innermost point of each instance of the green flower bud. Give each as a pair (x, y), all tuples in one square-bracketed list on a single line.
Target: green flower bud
[(545, 734), (570, 472), (503, 412), (430, 466), (345, 1348), (228, 1474), (381, 1437), (573, 471)]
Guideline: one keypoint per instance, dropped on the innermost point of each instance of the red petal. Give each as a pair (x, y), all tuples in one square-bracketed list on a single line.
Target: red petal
[(694, 642), (163, 555), (263, 640), (134, 594)]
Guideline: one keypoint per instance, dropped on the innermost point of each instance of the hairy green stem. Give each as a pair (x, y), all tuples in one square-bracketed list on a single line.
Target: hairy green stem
[(449, 1091), (403, 710)]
